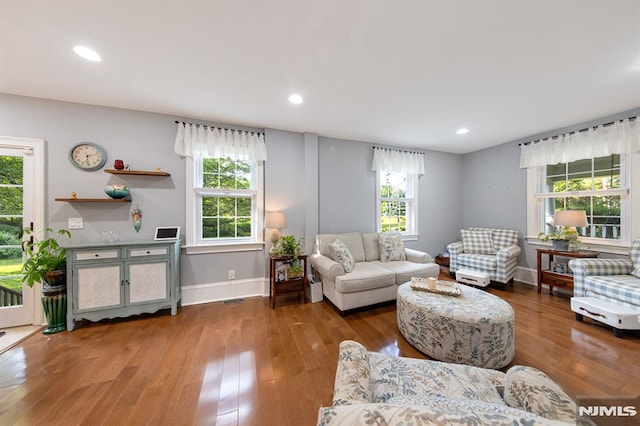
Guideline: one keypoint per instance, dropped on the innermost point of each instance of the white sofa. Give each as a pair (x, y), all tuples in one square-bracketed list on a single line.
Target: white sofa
[(371, 281), (375, 388)]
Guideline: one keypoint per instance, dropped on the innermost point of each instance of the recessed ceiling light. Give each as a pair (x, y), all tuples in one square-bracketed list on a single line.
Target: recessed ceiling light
[(462, 131), (295, 99), (88, 54)]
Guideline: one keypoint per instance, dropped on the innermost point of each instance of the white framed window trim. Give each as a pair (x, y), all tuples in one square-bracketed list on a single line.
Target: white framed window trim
[(194, 243), (411, 200), (630, 207)]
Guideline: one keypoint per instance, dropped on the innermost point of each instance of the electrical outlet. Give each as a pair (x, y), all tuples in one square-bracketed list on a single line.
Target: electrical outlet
[(231, 274), (75, 223)]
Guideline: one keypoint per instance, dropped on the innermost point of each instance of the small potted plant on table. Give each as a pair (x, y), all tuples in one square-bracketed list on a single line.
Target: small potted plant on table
[(47, 263), (560, 237)]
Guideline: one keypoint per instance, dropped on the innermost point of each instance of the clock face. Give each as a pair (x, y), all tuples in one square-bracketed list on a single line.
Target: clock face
[(87, 156)]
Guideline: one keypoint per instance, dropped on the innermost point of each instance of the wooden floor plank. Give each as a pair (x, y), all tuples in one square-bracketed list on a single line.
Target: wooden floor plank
[(246, 364)]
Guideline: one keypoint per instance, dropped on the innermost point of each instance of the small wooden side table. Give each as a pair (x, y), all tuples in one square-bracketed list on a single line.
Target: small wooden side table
[(557, 278), (280, 280)]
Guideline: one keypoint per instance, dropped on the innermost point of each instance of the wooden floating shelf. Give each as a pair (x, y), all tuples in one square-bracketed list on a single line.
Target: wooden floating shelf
[(137, 172), (95, 200)]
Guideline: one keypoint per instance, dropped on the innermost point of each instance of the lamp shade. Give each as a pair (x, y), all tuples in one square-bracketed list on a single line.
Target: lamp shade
[(570, 218), (275, 220)]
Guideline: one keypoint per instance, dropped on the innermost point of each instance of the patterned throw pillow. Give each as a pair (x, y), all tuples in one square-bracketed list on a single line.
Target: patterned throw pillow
[(341, 254), (391, 247), (477, 241), (634, 253)]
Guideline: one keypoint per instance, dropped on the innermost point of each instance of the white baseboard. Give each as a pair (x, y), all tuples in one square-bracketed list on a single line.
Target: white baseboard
[(226, 290), (526, 275)]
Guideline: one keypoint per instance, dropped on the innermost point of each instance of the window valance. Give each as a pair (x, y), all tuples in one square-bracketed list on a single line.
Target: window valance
[(194, 140), (393, 160), (619, 137)]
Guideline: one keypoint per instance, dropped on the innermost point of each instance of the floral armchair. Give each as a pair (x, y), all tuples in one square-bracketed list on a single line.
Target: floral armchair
[(494, 251)]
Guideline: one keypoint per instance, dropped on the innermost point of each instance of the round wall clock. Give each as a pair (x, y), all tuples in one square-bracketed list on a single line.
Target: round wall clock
[(87, 156)]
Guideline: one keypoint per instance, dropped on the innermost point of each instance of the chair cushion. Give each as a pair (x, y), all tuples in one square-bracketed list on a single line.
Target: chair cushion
[(477, 241), (341, 254), (486, 262), (391, 247), (529, 389), (621, 289), (365, 276)]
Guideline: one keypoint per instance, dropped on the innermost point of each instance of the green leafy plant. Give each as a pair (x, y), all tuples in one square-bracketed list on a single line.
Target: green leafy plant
[(288, 245), (559, 233), (43, 257)]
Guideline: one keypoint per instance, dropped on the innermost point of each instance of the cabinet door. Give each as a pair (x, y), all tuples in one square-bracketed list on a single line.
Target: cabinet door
[(147, 281), (97, 287)]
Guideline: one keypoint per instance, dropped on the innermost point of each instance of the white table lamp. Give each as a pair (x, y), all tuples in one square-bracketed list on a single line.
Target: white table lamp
[(275, 221)]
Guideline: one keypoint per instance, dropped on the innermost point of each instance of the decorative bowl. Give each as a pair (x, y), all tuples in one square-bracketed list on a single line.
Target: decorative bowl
[(116, 191)]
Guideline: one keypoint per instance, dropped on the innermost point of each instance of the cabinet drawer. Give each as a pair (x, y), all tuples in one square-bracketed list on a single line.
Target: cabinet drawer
[(96, 254), (557, 280), (149, 251), (289, 286)]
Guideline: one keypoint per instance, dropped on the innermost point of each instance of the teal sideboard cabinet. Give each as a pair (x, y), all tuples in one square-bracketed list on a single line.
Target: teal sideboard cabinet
[(122, 279)]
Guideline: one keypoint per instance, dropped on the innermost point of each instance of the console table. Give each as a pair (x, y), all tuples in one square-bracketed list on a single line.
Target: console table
[(281, 281), (122, 279), (556, 278)]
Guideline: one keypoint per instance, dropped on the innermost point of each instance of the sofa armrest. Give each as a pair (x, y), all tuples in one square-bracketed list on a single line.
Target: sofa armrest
[(352, 385), (326, 267), (454, 250), (583, 268), (417, 256)]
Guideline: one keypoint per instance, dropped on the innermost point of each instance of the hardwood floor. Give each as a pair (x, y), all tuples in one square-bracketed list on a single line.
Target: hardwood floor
[(246, 364)]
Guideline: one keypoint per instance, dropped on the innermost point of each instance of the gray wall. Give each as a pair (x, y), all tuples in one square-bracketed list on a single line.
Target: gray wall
[(347, 193), (322, 184)]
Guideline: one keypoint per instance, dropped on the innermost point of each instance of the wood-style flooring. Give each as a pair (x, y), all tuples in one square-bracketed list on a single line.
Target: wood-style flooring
[(246, 364)]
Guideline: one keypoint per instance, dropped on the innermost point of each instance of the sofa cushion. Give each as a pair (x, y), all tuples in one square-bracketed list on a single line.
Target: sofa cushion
[(529, 389), (477, 241), (446, 414), (406, 270), (371, 250), (365, 276), (623, 289), (391, 247), (398, 376), (340, 253), (353, 241)]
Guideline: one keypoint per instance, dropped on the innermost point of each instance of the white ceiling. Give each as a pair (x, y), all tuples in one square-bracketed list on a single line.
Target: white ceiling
[(396, 72)]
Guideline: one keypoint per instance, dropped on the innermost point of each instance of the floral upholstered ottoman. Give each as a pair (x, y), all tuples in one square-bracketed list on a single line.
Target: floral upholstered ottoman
[(475, 328)]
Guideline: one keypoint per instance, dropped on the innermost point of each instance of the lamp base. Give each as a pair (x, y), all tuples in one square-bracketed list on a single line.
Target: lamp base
[(275, 236)]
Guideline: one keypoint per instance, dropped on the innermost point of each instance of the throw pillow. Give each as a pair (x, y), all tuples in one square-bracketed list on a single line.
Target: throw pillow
[(634, 253), (477, 241), (529, 389), (391, 247), (341, 254)]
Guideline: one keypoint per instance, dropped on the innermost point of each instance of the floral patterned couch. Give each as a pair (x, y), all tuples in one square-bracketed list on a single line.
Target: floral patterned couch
[(374, 388)]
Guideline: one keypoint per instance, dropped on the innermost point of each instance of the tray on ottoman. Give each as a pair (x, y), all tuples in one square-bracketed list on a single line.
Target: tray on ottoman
[(442, 287)]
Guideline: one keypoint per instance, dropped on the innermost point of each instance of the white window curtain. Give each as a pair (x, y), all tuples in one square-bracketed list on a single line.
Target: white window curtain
[(393, 160), (203, 141), (620, 137)]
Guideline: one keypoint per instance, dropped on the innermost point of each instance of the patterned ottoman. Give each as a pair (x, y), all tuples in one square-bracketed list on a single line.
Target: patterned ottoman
[(475, 328)]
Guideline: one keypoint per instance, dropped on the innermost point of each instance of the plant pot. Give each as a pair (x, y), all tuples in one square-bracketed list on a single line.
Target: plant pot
[(54, 301), (560, 245)]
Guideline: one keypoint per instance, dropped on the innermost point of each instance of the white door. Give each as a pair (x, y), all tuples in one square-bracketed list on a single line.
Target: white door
[(21, 205)]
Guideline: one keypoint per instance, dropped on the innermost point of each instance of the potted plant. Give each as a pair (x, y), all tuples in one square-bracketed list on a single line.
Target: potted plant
[(47, 263), (560, 237), (289, 246)]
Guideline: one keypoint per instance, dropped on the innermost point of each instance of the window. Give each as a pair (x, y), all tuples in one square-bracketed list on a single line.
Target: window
[(397, 202), (226, 203), (599, 186), (593, 185)]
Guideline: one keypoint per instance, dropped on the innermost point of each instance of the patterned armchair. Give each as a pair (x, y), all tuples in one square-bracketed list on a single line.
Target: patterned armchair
[(613, 280), (494, 251)]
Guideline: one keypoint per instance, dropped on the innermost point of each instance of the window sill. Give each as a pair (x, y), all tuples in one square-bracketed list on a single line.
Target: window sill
[(601, 247), (410, 237), (223, 248)]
